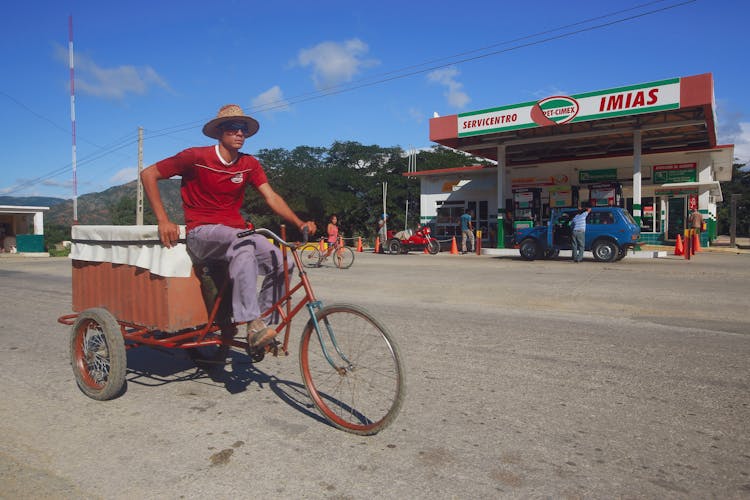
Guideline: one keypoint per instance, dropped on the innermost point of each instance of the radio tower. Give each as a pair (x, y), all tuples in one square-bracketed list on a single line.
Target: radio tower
[(73, 117)]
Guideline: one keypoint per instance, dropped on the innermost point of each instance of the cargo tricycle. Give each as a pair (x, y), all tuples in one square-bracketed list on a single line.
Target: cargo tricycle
[(350, 364)]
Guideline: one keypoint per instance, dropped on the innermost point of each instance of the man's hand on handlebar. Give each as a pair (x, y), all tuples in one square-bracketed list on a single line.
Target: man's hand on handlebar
[(311, 227), (169, 233)]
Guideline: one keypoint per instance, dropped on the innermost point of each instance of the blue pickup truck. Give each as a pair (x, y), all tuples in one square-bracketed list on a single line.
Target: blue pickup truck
[(610, 232)]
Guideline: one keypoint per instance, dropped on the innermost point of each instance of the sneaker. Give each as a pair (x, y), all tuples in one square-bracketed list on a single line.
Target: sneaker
[(259, 335)]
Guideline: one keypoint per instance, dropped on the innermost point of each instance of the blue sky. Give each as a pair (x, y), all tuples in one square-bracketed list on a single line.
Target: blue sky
[(317, 72)]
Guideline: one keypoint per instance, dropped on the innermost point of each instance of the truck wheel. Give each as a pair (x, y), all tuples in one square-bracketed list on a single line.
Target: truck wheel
[(621, 254), (529, 249), (605, 250), (394, 247)]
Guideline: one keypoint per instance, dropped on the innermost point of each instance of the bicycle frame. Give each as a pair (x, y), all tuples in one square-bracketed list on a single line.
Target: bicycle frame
[(308, 300)]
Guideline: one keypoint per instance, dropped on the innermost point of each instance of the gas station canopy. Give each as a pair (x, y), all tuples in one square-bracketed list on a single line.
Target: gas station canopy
[(671, 115)]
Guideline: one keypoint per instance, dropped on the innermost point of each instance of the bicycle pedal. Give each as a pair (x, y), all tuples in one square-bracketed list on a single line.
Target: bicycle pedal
[(274, 348)]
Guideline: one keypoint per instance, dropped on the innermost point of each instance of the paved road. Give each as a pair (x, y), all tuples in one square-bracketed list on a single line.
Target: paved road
[(538, 379)]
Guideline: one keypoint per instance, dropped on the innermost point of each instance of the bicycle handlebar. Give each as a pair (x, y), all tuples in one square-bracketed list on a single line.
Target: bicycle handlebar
[(270, 234)]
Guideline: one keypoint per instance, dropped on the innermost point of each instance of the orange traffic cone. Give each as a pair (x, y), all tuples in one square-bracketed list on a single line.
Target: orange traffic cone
[(359, 244), (425, 249), (377, 244), (454, 247), (696, 242), (678, 248)]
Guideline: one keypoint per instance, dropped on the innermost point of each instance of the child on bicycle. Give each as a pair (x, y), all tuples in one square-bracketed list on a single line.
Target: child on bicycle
[(333, 235), (214, 181)]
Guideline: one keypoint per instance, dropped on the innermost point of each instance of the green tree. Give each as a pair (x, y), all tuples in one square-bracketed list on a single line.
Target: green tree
[(55, 234), (123, 213), (347, 179)]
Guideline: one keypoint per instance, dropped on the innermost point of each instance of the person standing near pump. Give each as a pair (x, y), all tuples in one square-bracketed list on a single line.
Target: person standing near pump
[(696, 221), (578, 236), (383, 231), (467, 230), (214, 181)]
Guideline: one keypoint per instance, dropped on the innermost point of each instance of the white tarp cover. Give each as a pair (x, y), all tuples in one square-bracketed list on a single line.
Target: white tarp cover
[(134, 245)]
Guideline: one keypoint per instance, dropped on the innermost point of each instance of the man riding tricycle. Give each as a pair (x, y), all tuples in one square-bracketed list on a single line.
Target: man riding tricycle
[(139, 286)]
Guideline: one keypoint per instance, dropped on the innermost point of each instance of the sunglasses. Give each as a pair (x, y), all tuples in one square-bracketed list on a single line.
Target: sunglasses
[(234, 126)]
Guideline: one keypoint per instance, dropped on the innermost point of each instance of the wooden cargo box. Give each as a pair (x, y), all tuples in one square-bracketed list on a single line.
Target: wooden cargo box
[(126, 270)]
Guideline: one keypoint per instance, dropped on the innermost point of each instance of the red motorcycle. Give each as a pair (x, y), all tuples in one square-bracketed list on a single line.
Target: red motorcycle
[(406, 241)]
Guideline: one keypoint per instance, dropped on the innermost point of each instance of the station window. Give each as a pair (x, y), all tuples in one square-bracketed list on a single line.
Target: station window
[(447, 221)]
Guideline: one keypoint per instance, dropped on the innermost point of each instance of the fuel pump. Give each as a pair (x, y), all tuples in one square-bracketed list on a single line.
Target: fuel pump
[(606, 194), (527, 207)]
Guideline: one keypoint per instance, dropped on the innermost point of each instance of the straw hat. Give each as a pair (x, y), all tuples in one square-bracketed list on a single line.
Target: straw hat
[(230, 113)]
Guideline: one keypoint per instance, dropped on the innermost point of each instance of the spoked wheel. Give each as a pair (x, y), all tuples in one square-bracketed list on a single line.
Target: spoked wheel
[(363, 392), (343, 257), (309, 255), (97, 354)]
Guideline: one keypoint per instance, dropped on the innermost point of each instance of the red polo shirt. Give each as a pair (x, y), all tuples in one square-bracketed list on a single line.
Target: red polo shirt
[(212, 190)]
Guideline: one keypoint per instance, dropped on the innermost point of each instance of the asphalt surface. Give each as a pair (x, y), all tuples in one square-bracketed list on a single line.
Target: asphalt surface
[(542, 379)]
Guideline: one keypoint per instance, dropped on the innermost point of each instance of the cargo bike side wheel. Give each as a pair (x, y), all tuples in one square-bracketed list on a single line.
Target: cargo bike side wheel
[(97, 354), (362, 392)]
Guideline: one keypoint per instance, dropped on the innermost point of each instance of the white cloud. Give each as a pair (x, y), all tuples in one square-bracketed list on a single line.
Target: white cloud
[(742, 144), (123, 176), (111, 83), (732, 130), (334, 63), (271, 101), (454, 93)]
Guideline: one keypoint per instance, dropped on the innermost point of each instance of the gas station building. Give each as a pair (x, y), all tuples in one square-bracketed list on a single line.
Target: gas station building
[(650, 148)]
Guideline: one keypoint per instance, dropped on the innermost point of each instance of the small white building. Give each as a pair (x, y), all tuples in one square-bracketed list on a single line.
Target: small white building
[(650, 148), (22, 229)]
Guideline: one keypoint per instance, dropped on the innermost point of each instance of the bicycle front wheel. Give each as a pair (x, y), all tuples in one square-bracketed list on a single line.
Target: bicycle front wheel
[(344, 257), (309, 255), (362, 392)]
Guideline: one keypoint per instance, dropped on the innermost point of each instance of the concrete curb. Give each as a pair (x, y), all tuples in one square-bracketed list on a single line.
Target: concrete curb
[(513, 252)]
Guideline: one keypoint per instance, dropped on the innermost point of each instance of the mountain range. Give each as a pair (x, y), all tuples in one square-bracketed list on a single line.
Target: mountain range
[(96, 208)]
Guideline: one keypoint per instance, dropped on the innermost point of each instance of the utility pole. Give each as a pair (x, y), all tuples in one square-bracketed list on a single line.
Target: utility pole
[(73, 117), (385, 192), (139, 189)]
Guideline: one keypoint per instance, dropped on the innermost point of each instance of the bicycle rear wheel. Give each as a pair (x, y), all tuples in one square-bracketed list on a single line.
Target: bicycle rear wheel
[(364, 392), (309, 255), (344, 257)]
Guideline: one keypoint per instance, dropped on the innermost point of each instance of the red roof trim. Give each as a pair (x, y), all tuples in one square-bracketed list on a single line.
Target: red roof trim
[(441, 171)]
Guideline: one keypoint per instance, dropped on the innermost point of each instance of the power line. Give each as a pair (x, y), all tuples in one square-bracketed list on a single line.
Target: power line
[(400, 73), (381, 78), (342, 88)]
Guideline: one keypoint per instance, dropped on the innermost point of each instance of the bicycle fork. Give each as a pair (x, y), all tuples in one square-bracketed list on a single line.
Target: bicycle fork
[(312, 307)]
